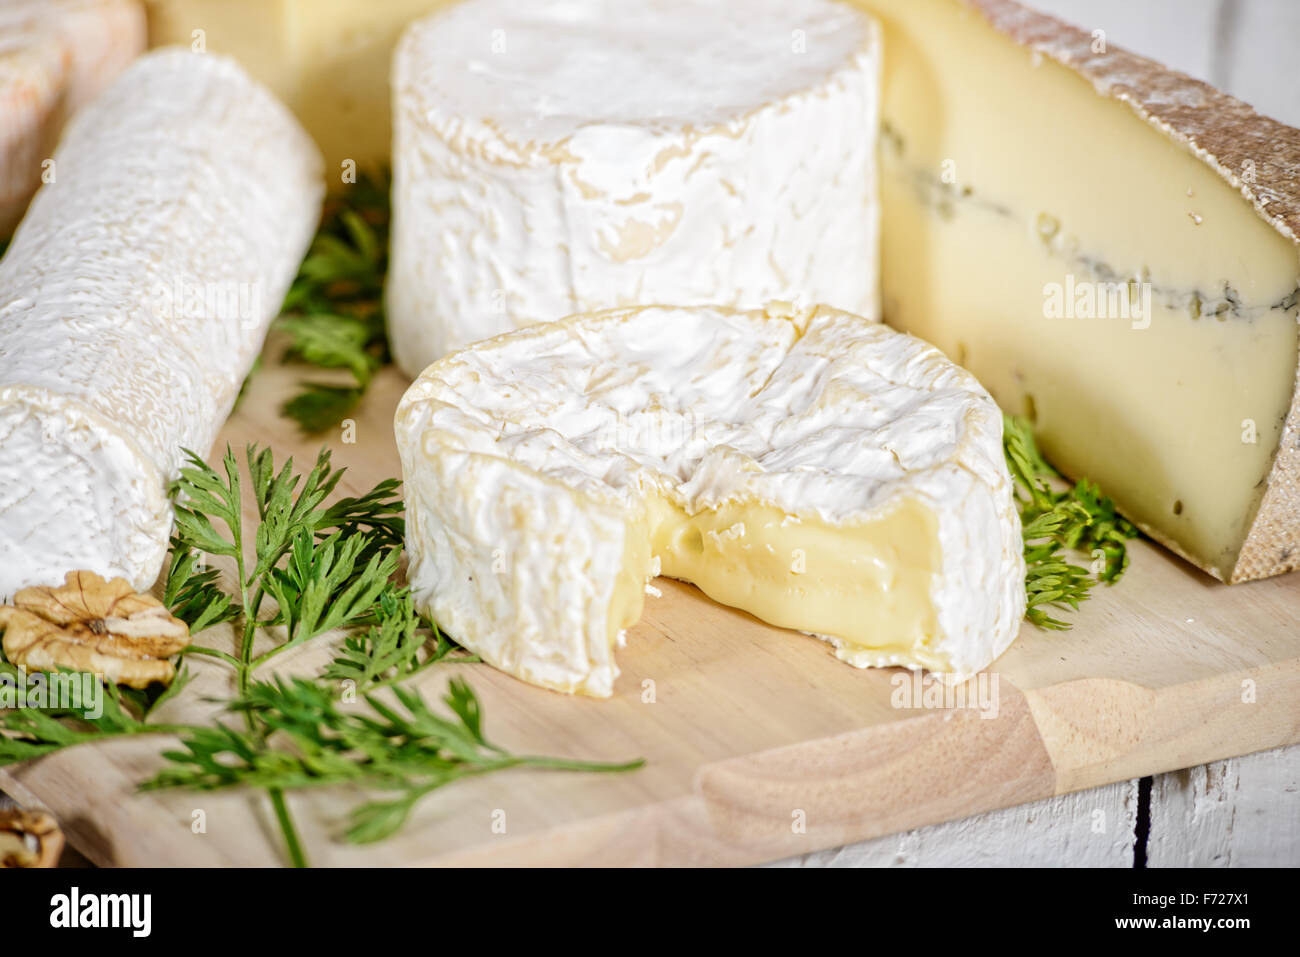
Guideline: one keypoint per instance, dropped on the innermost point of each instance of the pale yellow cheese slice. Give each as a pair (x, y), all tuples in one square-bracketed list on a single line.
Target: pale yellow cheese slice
[(1033, 183)]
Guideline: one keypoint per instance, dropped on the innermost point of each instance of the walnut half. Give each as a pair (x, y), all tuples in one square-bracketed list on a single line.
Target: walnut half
[(89, 624), (29, 838)]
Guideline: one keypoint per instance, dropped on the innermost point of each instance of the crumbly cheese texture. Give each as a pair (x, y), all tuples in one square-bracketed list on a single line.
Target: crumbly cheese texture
[(133, 300), (1099, 175), (55, 56), (818, 470), (562, 156)]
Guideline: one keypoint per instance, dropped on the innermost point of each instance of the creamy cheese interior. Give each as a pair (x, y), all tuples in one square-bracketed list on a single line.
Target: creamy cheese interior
[(866, 585), (1005, 175), (819, 471)]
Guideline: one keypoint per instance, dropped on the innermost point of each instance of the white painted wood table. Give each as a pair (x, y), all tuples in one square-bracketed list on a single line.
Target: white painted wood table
[(1243, 812)]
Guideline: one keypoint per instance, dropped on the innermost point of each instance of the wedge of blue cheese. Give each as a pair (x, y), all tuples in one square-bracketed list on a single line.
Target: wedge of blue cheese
[(1111, 247)]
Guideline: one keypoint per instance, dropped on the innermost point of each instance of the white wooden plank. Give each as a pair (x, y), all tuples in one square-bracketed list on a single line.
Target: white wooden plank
[(1086, 829), (1243, 812)]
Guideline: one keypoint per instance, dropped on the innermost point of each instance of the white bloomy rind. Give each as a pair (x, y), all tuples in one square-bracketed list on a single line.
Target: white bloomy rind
[(527, 458), (563, 156), (134, 297)]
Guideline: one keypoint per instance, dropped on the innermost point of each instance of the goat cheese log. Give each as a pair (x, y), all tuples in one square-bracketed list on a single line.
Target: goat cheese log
[(133, 300)]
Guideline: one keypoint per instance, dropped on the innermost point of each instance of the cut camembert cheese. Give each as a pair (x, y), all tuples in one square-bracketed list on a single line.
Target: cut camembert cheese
[(817, 470), (1036, 184), (569, 155)]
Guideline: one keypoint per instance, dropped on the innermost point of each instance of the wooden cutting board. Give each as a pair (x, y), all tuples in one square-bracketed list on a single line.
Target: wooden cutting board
[(758, 743)]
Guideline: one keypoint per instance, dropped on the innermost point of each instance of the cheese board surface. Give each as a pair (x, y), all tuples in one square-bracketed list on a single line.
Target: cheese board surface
[(758, 743)]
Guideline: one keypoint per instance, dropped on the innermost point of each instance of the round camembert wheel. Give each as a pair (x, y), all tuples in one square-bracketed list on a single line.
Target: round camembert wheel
[(820, 471)]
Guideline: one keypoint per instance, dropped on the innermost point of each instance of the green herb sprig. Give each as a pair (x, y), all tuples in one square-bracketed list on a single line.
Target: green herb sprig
[(1079, 518), (306, 567), (324, 566), (32, 732), (333, 314), (404, 748), (393, 648)]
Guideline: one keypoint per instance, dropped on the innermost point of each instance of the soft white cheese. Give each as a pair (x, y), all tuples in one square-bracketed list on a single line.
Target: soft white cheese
[(133, 299), (545, 468), (568, 155)]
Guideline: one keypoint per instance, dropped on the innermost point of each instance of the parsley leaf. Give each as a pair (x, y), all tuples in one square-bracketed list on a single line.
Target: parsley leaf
[(192, 592), (391, 649), (323, 565), (33, 730), (333, 314), (1079, 518), (319, 406), (312, 562), (404, 748)]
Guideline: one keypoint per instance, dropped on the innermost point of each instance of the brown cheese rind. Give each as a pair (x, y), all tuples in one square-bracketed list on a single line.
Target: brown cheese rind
[(1222, 130), (1254, 154)]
